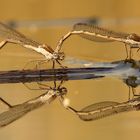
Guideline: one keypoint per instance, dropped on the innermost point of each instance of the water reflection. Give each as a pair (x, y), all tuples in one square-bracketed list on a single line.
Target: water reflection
[(127, 71), (120, 69), (17, 111), (107, 108)]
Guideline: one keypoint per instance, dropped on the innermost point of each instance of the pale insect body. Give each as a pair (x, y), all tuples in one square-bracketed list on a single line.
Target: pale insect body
[(104, 109), (98, 34), (17, 111), (92, 112), (10, 35)]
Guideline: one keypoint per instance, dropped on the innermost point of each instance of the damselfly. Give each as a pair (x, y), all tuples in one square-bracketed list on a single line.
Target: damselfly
[(92, 112), (10, 35), (98, 34), (17, 111), (104, 109)]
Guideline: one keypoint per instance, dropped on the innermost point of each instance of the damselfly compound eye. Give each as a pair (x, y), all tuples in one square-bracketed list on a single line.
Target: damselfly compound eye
[(61, 55), (63, 91)]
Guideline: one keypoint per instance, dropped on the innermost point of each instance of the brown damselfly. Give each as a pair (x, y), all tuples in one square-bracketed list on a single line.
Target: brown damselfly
[(17, 111), (92, 112), (107, 108), (99, 34), (10, 35)]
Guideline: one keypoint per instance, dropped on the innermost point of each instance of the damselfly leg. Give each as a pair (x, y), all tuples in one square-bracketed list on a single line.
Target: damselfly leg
[(2, 44), (5, 102), (134, 92), (128, 52)]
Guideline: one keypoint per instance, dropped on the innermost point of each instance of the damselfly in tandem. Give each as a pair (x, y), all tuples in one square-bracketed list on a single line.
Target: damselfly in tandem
[(98, 34), (90, 113), (10, 35)]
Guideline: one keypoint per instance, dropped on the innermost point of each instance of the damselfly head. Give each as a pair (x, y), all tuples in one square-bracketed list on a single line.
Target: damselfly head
[(62, 91), (59, 90), (59, 56)]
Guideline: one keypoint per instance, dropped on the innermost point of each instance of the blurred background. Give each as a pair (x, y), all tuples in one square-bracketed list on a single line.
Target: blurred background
[(47, 21)]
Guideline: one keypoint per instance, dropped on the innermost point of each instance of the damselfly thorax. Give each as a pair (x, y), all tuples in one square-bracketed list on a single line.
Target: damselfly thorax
[(10, 35), (98, 34)]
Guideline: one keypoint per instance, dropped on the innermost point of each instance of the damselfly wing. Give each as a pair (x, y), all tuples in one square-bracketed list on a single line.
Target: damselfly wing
[(17, 111), (99, 34), (10, 35)]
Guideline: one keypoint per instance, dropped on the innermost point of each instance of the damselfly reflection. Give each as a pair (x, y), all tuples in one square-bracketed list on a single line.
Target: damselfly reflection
[(98, 34), (92, 112), (120, 69), (104, 109), (17, 111), (10, 35), (128, 71)]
